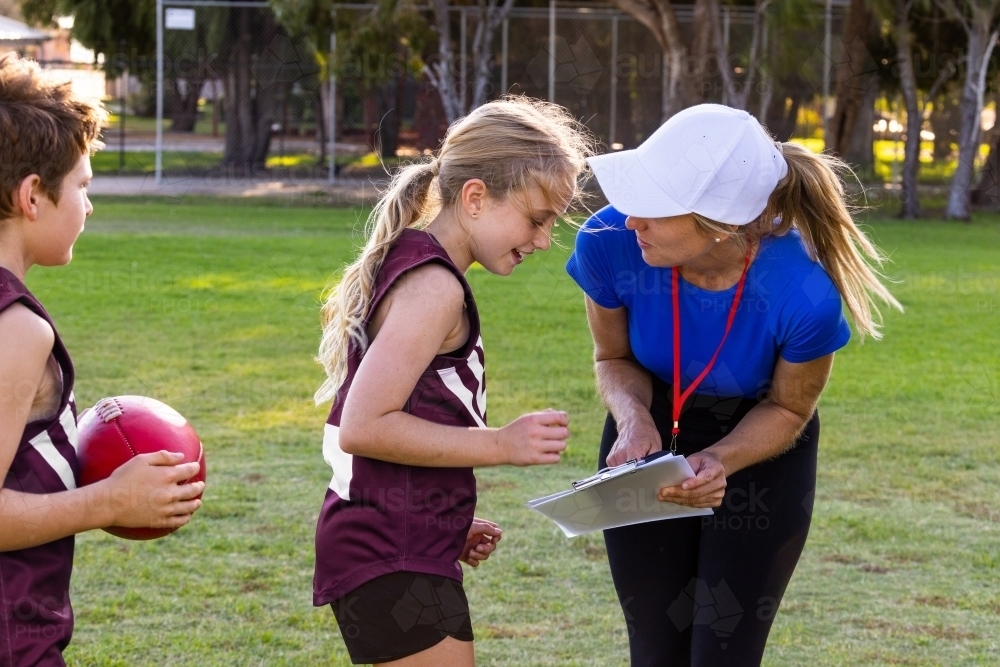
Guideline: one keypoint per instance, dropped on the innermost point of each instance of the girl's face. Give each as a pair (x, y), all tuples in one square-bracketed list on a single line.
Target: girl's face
[(672, 241), (504, 232)]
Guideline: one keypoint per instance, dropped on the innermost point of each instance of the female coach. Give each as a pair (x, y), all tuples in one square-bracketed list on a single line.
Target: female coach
[(714, 281)]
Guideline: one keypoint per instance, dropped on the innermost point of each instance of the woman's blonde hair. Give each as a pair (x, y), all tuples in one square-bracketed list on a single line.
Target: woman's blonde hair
[(811, 198), (510, 144)]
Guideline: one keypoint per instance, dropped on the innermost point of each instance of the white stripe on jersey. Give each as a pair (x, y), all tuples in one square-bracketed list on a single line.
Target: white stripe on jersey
[(68, 422), (43, 444), (477, 370), (341, 462), (451, 380)]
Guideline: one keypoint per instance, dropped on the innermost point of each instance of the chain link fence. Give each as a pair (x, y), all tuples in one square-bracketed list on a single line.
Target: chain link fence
[(237, 95)]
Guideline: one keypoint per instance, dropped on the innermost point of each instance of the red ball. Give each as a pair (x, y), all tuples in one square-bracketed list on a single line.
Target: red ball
[(122, 427)]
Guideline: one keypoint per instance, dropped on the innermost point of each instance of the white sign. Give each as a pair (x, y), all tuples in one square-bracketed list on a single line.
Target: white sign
[(179, 19)]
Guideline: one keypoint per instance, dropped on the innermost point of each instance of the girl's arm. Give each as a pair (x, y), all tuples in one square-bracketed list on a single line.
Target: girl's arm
[(767, 430), (142, 493), (425, 309), (625, 387)]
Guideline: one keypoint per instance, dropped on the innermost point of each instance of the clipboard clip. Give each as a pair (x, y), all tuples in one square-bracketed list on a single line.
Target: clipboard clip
[(606, 474)]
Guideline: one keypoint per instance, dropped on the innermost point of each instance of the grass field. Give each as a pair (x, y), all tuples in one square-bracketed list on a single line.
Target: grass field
[(213, 309)]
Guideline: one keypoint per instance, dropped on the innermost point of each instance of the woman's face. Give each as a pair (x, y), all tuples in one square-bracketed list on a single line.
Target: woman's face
[(504, 232), (672, 241)]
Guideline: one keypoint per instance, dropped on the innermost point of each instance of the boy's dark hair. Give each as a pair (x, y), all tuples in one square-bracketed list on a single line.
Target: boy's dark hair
[(44, 129)]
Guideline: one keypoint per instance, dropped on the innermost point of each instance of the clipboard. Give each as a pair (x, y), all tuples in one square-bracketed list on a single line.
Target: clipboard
[(619, 496)]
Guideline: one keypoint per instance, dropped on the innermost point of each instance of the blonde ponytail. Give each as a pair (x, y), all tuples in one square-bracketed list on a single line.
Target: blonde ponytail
[(811, 198), (343, 315), (510, 144)]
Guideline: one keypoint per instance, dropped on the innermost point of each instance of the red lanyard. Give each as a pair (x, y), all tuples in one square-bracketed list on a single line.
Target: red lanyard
[(679, 397)]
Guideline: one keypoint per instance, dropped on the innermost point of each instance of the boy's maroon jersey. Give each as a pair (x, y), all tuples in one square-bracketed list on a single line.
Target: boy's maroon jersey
[(36, 619), (382, 517)]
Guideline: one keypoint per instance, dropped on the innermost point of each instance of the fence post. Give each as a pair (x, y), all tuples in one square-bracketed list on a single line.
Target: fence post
[(827, 36), (331, 177), (552, 50), (464, 60), (503, 57), (159, 93), (725, 47), (613, 120), (664, 81)]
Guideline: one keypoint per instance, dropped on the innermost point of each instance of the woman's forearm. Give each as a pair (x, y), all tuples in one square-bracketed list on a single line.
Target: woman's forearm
[(766, 431), (625, 387)]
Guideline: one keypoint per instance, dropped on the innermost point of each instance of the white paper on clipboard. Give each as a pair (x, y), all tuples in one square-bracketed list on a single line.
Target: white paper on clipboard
[(619, 496)]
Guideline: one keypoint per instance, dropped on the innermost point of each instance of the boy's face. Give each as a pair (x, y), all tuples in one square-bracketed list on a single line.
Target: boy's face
[(59, 225)]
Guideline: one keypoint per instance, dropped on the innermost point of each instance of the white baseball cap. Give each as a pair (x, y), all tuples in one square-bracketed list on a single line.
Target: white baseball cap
[(708, 159)]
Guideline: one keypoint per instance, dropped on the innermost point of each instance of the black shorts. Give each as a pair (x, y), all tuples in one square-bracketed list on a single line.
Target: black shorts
[(400, 614)]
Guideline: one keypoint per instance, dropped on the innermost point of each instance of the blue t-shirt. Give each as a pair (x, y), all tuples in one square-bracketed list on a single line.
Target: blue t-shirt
[(790, 308)]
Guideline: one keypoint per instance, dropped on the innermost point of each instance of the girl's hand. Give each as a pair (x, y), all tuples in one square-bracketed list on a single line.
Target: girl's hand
[(481, 542), (637, 438), (706, 489), (534, 439), (149, 491)]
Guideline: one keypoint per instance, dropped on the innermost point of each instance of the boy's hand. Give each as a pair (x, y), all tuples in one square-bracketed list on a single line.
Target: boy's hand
[(481, 542), (148, 491), (535, 438)]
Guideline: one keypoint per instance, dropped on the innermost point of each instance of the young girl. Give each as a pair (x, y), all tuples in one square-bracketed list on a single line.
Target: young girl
[(405, 365)]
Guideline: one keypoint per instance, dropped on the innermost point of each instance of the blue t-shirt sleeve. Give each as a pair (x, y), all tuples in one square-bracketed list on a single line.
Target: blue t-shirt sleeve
[(592, 265), (814, 324)]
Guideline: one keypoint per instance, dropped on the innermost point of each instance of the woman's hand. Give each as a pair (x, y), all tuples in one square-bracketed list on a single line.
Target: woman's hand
[(706, 489), (481, 542), (637, 438)]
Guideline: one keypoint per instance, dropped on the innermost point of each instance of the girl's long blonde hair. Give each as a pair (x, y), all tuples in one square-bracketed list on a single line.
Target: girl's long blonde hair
[(811, 198), (510, 144)]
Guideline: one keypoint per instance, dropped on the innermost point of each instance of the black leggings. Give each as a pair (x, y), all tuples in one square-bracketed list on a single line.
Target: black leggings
[(703, 591)]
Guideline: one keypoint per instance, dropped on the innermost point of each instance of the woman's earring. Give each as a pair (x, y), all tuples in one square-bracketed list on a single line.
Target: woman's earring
[(717, 239)]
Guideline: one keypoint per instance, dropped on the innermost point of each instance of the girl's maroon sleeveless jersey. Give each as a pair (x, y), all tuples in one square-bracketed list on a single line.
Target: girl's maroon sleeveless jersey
[(36, 619), (382, 517)]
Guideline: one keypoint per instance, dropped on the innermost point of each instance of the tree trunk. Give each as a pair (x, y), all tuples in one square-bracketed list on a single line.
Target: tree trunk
[(985, 191), (321, 110), (980, 48), (441, 74), (185, 103), (860, 152), (430, 122), (251, 85), (239, 121), (910, 207), (781, 117), (737, 95), (854, 76), (390, 102), (689, 80), (490, 18)]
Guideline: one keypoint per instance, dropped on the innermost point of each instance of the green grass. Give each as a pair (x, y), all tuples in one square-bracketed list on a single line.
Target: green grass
[(212, 307), (138, 163)]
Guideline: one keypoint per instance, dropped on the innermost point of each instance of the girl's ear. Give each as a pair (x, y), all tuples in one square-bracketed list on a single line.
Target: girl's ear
[(26, 197), (474, 194)]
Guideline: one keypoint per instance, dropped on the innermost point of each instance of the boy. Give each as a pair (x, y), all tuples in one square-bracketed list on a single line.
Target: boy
[(46, 137)]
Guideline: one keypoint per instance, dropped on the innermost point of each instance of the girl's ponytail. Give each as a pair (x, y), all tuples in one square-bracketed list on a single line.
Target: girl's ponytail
[(811, 197), (343, 315)]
